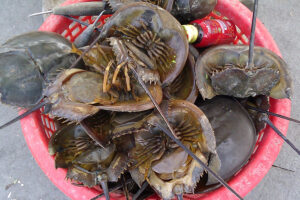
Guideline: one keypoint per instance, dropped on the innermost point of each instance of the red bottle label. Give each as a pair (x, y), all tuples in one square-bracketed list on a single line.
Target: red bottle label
[(215, 32)]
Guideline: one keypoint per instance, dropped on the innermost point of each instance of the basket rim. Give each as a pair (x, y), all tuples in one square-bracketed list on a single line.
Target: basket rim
[(251, 174)]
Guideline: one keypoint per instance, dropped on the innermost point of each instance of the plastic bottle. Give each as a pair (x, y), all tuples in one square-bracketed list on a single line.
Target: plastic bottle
[(208, 32)]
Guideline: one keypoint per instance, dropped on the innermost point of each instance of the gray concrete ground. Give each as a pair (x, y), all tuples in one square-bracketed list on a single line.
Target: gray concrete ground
[(21, 178)]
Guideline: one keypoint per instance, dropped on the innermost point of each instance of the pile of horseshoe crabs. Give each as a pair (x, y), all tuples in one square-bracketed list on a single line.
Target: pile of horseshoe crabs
[(109, 132)]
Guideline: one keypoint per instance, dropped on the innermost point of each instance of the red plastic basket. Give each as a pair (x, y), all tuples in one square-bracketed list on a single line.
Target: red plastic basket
[(37, 128)]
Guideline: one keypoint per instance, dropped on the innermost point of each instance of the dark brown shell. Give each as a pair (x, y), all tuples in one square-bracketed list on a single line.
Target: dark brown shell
[(117, 4), (50, 51), (187, 10), (235, 134), (36, 57), (221, 70), (98, 127), (160, 22), (184, 86)]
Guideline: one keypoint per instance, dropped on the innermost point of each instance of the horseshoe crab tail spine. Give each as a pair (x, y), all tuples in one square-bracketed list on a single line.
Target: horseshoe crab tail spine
[(111, 190), (41, 13), (28, 112), (83, 39), (76, 20), (153, 101), (139, 192), (180, 196), (170, 132), (105, 189), (266, 119), (76, 9), (252, 36), (178, 142), (125, 189), (273, 114)]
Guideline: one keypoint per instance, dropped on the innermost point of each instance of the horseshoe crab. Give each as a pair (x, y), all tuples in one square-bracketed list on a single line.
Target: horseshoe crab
[(77, 94), (184, 10), (222, 70), (67, 143), (235, 135), (28, 63), (117, 4), (87, 162), (150, 31), (159, 160), (187, 10)]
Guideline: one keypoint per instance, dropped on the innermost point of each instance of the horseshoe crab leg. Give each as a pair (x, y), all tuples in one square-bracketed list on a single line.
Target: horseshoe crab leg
[(273, 114), (38, 106), (106, 73), (127, 79), (117, 72), (252, 36), (171, 133), (140, 191), (28, 112), (267, 120)]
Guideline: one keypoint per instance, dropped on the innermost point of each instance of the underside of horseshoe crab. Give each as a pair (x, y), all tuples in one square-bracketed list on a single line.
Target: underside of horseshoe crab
[(168, 169), (148, 31), (77, 94), (86, 161)]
